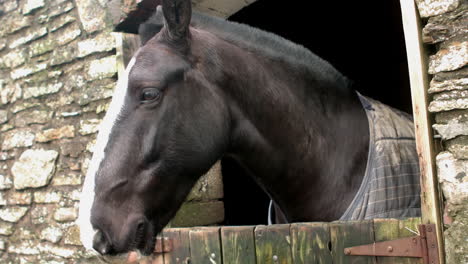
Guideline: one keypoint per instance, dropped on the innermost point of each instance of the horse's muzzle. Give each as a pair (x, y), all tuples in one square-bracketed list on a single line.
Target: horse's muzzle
[(102, 244)]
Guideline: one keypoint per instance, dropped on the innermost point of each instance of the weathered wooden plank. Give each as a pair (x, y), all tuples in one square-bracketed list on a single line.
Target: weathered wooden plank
[(390, 229), (349, 234), (205, 245), (310, 243), (238, 244), (180, 252), (158, 258), (273, 244), (417, 64)]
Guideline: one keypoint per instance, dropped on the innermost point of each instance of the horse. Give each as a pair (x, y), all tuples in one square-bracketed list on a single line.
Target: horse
[(201, 88)]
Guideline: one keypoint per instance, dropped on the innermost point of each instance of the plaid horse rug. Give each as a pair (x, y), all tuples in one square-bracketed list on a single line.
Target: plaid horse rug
[(390, 188)]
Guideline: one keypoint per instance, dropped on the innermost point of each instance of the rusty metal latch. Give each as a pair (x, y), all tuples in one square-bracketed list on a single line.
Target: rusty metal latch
[(423, 246)]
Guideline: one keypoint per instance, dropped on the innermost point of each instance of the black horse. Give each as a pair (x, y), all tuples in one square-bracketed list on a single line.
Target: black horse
[(194, 93)]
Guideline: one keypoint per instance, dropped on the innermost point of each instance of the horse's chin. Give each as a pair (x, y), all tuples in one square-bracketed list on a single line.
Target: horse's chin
[(117, 259), (132, 257)]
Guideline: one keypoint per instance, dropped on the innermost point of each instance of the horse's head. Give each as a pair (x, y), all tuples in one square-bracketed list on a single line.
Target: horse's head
[(165, 127)]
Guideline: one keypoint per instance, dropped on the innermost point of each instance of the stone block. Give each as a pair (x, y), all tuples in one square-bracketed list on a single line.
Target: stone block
[(447, 105), (10, 93), (17, 138), (74, 195), (13, 214), (209, 186), (41, 47), (72, 236), (60, 251), (59, 101), (101, 108), (27, 247), (455, 235), (452, 116), (446, 26), (34, 168), (15, 22), (65, 214), (24, 233), (42, 89), (32, 5), (102, 43), (72, 148), (31, 35), (8, 5), (4, 156), (47, 197), (94, 93), (92, 15), (3, 43), (51, 234), (19, 198), (67, 34), (33, 117), (452, 129), (59, 9), (6, 127), (13, 59), (448, 85), (77, 81), (40, 214), (452, 57), (27, 70), (429, 8), (449, 95), (3, 116), (56, 133), (3, 201), (63, 55), (6, 229), (60, 22), (67, 179), (89, 126), (199, 214), (458, 146), (102, 68), (5, 182)]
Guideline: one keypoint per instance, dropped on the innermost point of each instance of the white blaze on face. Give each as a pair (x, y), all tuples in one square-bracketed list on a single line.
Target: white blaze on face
[(87, 232)]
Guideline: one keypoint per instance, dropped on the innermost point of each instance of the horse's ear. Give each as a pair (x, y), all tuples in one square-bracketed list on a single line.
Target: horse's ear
[(177, 15), (151, 27)]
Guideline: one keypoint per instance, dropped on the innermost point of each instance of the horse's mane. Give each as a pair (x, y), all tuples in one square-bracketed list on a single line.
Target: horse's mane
[(266, 43)]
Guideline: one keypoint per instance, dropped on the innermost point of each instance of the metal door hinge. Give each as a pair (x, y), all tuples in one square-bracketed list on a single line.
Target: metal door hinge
[(423, 246)]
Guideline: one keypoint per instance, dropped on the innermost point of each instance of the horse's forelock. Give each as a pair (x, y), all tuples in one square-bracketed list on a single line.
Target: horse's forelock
[(87, 232)]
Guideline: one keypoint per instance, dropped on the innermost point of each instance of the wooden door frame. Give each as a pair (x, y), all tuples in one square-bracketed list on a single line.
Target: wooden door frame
[(419, 81)]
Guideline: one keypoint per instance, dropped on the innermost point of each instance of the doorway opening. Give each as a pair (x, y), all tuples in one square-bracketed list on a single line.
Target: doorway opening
[(364, 40)]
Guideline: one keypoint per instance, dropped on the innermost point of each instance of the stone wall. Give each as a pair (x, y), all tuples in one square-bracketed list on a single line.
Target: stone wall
[(446, 31), (58, 68)]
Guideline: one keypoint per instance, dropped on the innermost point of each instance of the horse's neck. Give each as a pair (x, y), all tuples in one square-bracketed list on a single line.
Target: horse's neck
[(302, 136)]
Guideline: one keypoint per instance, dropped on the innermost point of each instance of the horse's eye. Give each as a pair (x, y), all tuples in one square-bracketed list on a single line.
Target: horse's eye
[(150, 95)]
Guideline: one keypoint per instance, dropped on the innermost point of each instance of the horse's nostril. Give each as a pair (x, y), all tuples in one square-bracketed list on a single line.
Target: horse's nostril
[(140, 228), (101, 244), (139, 235)]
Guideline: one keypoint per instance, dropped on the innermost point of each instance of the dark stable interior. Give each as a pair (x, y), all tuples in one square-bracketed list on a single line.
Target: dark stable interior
[(363, 39)]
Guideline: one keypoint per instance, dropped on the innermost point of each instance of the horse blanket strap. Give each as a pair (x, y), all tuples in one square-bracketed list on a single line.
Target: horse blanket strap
[(390, 188)]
